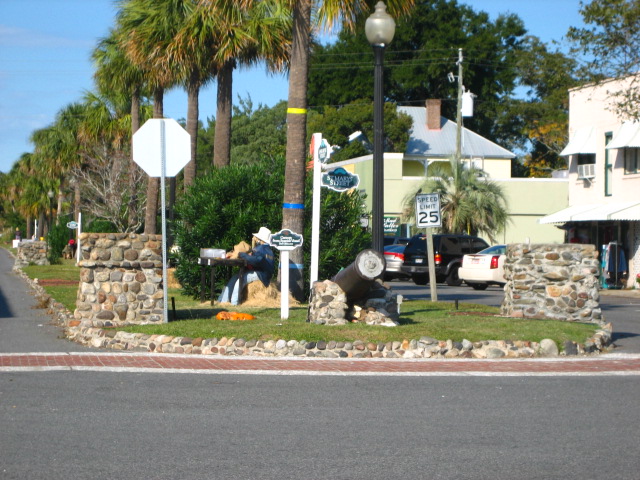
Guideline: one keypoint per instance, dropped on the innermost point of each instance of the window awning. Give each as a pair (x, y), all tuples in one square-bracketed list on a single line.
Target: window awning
[(567, 214), (595, 212), (627, 136), (630, 213), (582, 141)]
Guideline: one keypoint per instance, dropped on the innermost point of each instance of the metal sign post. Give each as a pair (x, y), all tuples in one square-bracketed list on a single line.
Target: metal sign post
[(161, 147), (428, 216), (285, 241), (319, 153)]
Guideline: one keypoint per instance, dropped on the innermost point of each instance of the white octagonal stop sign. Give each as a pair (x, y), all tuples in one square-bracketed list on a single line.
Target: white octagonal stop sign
[(160, 136)]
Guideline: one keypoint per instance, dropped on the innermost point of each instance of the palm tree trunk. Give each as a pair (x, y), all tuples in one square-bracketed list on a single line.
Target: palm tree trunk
[(133, 166), (293, 207), (222, 141), (29, 227), (153, 187), (193, 90)]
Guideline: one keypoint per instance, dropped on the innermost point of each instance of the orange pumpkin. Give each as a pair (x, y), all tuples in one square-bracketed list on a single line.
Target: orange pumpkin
[(234, 316)]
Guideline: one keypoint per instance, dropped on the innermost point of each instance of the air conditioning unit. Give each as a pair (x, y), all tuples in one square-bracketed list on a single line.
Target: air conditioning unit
[(588, 170)]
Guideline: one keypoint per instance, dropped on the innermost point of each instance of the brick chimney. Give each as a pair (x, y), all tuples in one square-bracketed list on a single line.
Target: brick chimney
[(433, 114)]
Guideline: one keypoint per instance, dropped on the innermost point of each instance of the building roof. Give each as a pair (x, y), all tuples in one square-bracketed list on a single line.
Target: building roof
[(442, 143)]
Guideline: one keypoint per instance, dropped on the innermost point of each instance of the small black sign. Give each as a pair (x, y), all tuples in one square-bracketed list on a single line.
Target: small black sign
[(286, 240)]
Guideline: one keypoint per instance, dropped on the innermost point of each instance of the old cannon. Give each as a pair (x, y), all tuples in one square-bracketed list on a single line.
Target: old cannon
[(356, 279)]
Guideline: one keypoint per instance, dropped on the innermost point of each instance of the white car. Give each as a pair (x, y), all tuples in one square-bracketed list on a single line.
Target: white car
[(479, 270)]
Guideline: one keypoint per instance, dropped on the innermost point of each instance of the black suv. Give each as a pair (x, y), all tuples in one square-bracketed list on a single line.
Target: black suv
[(448, 252)]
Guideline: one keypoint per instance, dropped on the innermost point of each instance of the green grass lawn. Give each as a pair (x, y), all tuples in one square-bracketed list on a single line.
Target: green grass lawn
[(419, 318)]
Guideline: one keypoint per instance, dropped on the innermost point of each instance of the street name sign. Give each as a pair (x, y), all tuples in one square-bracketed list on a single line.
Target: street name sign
[(340, 180)]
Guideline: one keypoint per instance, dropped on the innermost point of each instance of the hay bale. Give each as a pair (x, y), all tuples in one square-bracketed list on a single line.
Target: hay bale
[(257, 295), (172, 281)]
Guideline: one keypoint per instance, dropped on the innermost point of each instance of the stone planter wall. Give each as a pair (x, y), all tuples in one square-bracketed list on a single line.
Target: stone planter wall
[(557, 281), (120, 279), (328, 305), (32, 252), (424, 347)]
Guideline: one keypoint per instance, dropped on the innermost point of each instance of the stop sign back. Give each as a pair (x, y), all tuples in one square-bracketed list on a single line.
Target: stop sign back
[(160, 136)]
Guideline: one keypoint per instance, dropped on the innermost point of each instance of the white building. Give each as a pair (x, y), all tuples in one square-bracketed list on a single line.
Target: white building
[(604, 180)]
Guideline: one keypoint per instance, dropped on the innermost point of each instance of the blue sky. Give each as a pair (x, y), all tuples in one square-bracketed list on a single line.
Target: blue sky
[(45, 60)]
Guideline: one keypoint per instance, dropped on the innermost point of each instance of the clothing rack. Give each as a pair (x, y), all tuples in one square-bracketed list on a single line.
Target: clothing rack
[(614, 266)]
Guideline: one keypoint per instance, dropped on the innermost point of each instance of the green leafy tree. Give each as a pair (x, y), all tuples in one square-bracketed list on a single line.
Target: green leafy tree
[(544, 113), (337, 124), (228, 205), (258, 133), (610, 43), (417, 63), (469, 204)]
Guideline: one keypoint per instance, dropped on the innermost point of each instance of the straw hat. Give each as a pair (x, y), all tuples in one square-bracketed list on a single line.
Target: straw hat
[(264, 234)]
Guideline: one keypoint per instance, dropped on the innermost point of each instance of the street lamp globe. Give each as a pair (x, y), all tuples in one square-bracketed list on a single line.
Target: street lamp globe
[(380, 26)]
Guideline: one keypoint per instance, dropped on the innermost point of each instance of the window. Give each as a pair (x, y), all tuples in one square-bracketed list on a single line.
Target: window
[(631, 160), (586, 158)]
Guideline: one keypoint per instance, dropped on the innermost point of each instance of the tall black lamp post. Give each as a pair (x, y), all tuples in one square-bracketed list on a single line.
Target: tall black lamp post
[(379, 29)]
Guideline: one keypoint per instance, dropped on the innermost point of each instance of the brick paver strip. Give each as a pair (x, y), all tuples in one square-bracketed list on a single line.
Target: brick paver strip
[(610, 364)]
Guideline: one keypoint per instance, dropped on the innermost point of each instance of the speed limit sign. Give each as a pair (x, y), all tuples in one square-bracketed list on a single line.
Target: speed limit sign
[(428, 210)]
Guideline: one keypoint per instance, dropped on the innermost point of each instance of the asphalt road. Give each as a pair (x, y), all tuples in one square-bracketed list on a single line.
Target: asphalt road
[(75, 425), (23, 326)]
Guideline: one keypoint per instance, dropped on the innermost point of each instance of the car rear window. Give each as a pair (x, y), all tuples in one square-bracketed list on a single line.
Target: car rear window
[(478, 244)]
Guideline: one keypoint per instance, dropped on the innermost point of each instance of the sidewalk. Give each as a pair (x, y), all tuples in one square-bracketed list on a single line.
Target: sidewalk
[(629, 293), (610, 364)]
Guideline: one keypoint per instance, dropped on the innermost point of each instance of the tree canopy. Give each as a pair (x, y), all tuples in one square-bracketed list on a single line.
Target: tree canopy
[(420, 57), (610, 43)]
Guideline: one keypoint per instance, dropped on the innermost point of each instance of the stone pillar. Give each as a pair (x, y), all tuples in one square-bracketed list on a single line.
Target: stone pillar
[(557, 281), (32, 252), (120, 279)]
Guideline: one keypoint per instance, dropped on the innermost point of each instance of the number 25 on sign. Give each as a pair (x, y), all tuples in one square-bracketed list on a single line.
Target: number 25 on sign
[(428, 210)]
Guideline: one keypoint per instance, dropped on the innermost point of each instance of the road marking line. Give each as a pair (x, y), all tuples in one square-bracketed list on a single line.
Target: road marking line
[(616, 373)]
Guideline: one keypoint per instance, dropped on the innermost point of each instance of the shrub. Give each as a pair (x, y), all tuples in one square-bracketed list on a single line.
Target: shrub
[(229, 204), (57, 239), (99, 225)]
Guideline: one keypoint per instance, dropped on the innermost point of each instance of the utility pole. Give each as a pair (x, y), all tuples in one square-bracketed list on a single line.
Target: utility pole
[(459, 109)]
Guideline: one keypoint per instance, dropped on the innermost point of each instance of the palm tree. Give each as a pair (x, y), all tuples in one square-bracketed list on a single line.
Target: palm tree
[(145, 28), (328, 12), (30, 189), (18, 193), (470, 203), (227, 35)]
